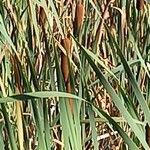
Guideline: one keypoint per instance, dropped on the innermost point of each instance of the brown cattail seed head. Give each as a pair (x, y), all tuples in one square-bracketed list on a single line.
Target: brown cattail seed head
[(140, 5), (79, 16), (66, 43)]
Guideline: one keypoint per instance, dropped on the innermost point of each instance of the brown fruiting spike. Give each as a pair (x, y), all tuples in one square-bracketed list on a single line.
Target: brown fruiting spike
[(64, 66), (79, 16), (66, 43), (140, 5)]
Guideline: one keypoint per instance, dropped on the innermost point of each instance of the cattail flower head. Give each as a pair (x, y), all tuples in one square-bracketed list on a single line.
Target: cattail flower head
[(140, 5), (79, 16)]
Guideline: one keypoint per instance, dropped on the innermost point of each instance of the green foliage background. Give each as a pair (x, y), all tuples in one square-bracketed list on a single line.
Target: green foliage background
[(109, 73)]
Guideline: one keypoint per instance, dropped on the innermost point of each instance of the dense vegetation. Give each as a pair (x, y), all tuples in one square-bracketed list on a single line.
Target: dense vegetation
[(74, 74)]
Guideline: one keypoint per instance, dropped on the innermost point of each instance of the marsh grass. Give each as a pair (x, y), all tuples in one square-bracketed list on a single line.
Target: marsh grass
[(74, 74)]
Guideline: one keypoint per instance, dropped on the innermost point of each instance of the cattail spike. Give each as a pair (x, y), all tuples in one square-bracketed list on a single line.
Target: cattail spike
[(66, 43), (140, 5), (79, 16)]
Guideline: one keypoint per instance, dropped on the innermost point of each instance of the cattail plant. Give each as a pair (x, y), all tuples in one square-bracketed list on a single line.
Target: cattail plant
[(67, 44), (140, 5), (108, 99), (79, 16)]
